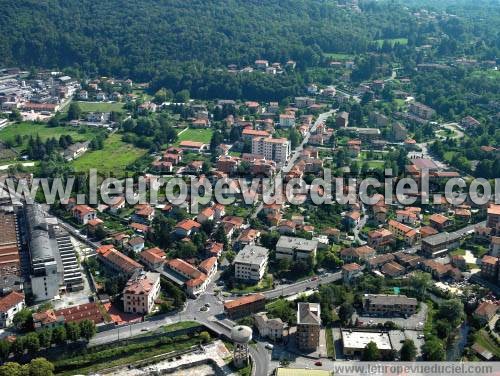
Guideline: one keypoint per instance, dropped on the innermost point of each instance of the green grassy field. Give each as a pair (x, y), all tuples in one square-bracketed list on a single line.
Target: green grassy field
[(100, 107), (330, 346), (402, 41), (338, 56), (26, 129), (113, 158), (198, 135), (484, 339)]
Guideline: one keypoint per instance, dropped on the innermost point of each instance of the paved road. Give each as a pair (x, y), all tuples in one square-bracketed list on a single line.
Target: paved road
[(298, 287), (295, 154)]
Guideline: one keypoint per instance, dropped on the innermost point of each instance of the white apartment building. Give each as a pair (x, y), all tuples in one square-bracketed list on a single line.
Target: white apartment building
[(296, 248), (250, 263), (140, 292), (287, 120), (273, 149)]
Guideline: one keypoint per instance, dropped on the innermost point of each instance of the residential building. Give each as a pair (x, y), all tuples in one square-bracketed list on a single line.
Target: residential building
[(10, 304), (270, 328), (409, 235), (153, 258), (186, 227), (493, 217), (359, 254), (342, 120), (186, 275), (274, 149), (287, 120), (117, 261), (421, 110), (293, 249), (486, 312), (84, 213), (439, 244), (140, 293), (244, 306), (350, 272), (389, 305), (380, 239), (209, 266), (135, 244), (439, 221), (250, 263), (489, 267), (308, 326)]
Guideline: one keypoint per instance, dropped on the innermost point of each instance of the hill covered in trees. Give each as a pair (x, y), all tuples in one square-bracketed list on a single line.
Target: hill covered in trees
[(133, 38)]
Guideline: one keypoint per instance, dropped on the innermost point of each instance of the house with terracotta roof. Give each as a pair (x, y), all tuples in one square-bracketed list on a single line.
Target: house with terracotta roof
[(83, 213), (88, 311), (140, 292), (116, 204), (184, 274), (409, 235), (186, 227), (393, 269), (359, 254), (10, 304), (244, 306), (352, 218), (192, 146), (380, 239), (214, 249), (205, 215), (135, 244), (248, 236), (439, 221), (209, 266), (117, 261), (486, 312), (153, 258), (144, 213), (489, 267), (47, 320), (350, 272), (427, 231)]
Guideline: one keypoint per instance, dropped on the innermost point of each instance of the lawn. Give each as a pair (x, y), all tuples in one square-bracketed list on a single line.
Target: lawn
[(330, 346), (338, 56), (484, 339), (197, 135), (402, 41), (180, 325), (265, 284), (113, 158), (100, 106), (26, 129), (112, 356)]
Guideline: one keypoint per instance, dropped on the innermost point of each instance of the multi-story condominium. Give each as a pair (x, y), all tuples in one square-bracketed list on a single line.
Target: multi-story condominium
[(250, 263), (389, 305), (308, 326), (273, 149), (287, 120), (421, 110), (296, 248), (437, 245), (140, 292)]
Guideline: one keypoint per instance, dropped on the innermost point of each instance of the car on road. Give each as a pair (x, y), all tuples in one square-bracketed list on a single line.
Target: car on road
[(318, 363), (203, 309), (315, 278), (145, 329), (207, 305), (269, 346)]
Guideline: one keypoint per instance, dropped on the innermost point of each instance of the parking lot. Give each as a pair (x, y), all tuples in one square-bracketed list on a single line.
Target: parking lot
[(414, 322)]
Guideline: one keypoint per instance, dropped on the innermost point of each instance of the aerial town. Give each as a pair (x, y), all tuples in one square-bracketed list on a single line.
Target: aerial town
[(251, 287)]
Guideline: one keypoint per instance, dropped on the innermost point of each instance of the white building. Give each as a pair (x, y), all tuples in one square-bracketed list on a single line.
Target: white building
[(270, 328), (9, 306), (250, 263), (296, 248), (287, 120), (140, 292), (273, 149), (354, 342)]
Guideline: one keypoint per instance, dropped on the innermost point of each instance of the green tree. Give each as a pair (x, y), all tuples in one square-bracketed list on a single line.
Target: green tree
[(452, 311), (433, 350), (87, 329), (17, 346), (4, 350), (205, 337), (40, 367), (408, 351), (371, 352), (420, 281), (72, 331), (31, 343), (182, 96), (59, 335), (12, 369), (74, 111), (23, 320), (45, 337), (345, 312)]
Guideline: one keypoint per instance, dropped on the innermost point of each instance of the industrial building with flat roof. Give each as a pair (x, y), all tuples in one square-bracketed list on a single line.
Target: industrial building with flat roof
[(354, 342)]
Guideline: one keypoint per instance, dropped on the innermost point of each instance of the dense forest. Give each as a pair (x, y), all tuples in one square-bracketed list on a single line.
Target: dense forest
[(186, 44)]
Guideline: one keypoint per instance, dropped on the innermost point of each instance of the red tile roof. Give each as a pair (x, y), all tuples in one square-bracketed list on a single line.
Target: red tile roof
[(11, 300), (243, 301)]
